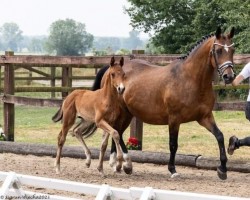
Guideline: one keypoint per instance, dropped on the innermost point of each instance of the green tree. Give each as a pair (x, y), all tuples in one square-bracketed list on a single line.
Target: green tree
[(237, 15), (176, 25), (11, 36), (133, 42), (169, 20), (36, 45), (68, 37)]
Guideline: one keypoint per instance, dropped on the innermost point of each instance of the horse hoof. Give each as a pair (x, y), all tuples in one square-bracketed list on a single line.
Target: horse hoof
[(118, 169), (175, 175), (222, 175), (127, 170), (87, 164)]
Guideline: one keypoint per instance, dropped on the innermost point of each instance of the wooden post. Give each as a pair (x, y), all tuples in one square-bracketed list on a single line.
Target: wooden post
[(136, 130), (9, 109), (53, 80), (66, 79)]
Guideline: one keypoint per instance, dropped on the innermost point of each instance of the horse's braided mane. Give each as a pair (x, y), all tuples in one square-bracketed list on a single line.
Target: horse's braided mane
[(204, 38)]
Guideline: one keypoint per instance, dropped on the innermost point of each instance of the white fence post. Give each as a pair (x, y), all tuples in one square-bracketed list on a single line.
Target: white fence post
[(104, 193), (148, 194)]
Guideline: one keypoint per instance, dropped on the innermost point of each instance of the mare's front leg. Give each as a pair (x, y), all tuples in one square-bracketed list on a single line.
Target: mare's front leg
[(127, 164), (173, 146), (211, 126)]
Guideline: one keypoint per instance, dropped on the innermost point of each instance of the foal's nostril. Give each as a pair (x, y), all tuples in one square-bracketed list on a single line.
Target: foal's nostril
[(121, 90)]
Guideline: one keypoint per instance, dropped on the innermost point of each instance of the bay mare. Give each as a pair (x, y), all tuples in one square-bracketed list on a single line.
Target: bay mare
[(180, 92), (98, 108)]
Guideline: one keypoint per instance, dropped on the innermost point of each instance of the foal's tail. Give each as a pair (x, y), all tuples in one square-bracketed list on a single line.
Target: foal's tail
[(84, 128), (58, 116), (98, 78)]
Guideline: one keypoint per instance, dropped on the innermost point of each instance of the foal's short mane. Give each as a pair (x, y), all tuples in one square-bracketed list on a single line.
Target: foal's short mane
[(197, 44)]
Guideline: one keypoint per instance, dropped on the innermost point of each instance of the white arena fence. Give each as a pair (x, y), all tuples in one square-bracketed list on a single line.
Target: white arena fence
[(12, 189)]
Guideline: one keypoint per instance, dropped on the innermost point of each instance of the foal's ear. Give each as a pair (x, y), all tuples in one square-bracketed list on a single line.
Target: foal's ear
[(218, 33), (121, 61), (112, 61), (231, 34)]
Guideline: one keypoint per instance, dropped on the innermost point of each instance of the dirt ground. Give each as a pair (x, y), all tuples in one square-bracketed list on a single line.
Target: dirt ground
[(144, 175)]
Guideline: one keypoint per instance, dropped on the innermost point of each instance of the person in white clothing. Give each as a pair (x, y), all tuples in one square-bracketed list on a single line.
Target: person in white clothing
[(234, 142)]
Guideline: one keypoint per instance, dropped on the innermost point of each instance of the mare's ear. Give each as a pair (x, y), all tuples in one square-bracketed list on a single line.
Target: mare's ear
[(218, 33), (121, 61), (231, 34), (112, 61)]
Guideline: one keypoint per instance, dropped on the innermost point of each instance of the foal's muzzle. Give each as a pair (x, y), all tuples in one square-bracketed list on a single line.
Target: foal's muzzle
[(120, 88)]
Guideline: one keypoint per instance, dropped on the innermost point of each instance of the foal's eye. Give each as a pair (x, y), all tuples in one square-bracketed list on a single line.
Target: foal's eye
[(113, 75)]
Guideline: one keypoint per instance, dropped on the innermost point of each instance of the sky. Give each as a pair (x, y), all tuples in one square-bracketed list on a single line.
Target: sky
[(101, 17)]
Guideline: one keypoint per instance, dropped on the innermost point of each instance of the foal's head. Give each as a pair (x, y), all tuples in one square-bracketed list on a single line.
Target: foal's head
[(222, 53), (117, 75)]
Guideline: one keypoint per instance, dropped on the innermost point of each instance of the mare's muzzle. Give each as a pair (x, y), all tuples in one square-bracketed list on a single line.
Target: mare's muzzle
[(227, 75)]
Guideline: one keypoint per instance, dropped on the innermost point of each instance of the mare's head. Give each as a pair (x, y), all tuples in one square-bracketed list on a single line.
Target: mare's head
[(222, 55), (117, 75)]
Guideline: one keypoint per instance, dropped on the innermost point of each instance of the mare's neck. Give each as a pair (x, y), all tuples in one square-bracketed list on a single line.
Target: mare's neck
[(199, 63)]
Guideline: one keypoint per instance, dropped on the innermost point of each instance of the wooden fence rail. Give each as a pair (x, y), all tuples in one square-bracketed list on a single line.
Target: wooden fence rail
[(10, 62)]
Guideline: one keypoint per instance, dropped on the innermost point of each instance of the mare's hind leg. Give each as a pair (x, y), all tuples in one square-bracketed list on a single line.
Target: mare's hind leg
[(77, 131), (104, 145), (211, 126), (173, 146)]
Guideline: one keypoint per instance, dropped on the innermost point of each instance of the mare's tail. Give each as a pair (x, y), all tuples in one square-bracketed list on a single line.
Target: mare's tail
[(58, 116), (98, 78)]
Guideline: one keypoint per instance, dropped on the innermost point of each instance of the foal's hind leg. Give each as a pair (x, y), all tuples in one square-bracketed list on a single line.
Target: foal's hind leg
[(61, 140), (78, 133)]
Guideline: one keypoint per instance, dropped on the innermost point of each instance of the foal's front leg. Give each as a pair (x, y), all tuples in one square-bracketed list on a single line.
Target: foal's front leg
[(115, 135), (105, 138)]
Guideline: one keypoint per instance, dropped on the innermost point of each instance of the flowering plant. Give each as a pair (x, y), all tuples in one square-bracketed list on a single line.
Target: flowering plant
[(133, 144)]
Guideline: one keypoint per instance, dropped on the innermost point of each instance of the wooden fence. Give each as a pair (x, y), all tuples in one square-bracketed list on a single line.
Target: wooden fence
[(10, 62)]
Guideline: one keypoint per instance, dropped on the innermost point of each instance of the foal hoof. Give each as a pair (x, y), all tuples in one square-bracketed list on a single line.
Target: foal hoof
[(87, 162), (175, 175), (222, 175), (127, 169)]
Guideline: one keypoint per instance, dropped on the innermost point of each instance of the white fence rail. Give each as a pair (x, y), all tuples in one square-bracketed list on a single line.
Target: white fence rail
[(12, 188)]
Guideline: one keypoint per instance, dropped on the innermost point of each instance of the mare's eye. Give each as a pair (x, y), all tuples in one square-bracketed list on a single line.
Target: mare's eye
[(113, 75), (219, 51)]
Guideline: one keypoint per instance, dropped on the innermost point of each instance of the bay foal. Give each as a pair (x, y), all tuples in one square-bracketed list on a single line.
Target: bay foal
[(98, 108)]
